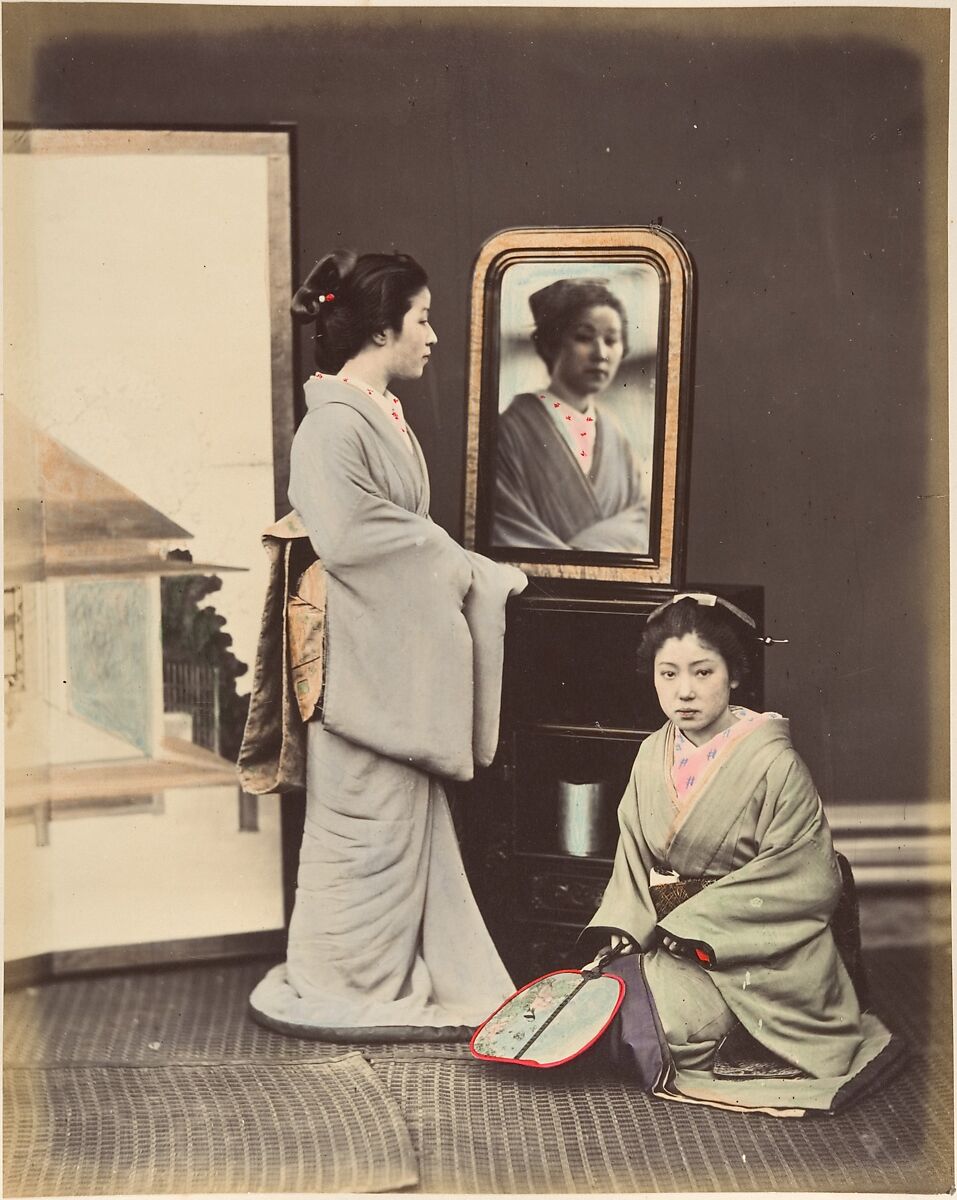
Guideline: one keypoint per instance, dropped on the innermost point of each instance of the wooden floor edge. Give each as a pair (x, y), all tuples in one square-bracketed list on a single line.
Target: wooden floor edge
[(38, 968)]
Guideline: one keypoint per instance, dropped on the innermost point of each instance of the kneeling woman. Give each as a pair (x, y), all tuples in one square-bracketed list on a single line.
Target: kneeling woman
[(722, 816)]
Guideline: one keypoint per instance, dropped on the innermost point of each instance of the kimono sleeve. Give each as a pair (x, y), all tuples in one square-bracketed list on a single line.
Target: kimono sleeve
[(626, 905), (624, 531), (492, 584), (784, 896), (516, 521)]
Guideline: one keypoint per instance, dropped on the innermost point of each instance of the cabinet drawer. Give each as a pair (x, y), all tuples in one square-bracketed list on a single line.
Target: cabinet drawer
[(556, 894)]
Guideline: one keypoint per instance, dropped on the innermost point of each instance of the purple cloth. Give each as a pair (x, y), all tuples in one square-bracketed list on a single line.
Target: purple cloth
[(635, 1043)]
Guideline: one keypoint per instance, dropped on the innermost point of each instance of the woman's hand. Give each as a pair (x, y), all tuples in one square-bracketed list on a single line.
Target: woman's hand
[(683, 948), (617, 940)]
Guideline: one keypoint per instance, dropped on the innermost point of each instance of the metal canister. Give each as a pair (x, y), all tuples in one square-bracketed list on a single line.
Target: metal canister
[(582, 817)]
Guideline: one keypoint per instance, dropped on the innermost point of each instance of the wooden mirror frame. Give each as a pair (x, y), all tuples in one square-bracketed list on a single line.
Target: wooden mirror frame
[(605, 249)]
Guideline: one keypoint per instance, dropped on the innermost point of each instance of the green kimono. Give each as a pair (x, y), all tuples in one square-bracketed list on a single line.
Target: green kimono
[(758, 828)]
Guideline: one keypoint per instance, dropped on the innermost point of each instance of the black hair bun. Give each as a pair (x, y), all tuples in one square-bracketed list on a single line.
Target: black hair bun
[(326, 278)]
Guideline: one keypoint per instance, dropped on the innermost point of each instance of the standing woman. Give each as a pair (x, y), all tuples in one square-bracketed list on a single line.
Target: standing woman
[(385, 939), (567, 477)]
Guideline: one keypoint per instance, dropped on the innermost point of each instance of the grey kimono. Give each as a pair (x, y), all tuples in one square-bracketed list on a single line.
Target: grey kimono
[(385, 938), (543, 499)]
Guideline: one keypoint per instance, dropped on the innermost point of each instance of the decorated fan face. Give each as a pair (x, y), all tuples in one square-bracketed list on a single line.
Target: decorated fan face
[(551, 1020)]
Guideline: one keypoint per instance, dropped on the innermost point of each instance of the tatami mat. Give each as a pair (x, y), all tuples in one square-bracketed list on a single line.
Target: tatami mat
[(194, 1014), (486, 1128), (160, 1082), (325, 1127)]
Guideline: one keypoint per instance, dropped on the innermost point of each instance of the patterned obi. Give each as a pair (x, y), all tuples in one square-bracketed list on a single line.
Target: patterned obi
[(668, 889)]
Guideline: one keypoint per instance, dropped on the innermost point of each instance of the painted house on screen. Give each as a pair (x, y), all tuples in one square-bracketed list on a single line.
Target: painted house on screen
[(112, 807)]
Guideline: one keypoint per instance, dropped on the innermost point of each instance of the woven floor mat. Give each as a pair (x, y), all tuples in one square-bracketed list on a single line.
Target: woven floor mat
[(480, 1127), (195, 1014), (241, 1108), (325, 1127), (199, 1014)]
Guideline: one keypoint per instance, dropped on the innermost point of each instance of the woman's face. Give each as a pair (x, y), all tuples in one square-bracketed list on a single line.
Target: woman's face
[(694, 687), (409, 349), (590, 352)]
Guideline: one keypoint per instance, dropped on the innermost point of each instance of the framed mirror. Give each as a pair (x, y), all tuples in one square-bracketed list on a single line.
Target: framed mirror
[(579, 402)]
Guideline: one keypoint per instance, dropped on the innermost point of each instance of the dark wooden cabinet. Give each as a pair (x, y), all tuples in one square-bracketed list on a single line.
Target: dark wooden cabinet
[(540, 825)]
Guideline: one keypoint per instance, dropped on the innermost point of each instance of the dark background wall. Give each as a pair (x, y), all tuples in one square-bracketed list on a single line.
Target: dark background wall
[(801, 157)]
